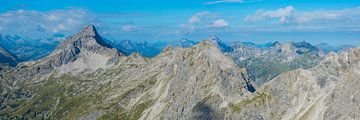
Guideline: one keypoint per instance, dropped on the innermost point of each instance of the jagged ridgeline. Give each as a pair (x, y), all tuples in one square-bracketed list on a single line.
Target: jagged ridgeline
[(86, 78)]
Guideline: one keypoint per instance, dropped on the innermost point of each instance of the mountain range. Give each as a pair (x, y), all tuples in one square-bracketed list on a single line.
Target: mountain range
[(27, 50), (265, 63), (86, 77)]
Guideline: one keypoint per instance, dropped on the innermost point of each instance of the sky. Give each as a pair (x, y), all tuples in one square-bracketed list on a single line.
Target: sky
[(317, 21)]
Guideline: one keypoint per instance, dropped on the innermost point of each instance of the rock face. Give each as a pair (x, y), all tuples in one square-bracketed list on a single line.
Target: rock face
[(329, 91), (265, 63), (193, 83), (84, 50), (7, 58)]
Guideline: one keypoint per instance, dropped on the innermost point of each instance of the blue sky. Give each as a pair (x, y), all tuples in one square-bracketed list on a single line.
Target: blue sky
[(315, 21)]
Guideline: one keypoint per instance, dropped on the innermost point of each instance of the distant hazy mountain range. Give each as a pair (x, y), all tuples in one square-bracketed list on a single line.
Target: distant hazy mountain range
[(263, 61), (85, 78), (27, 50)]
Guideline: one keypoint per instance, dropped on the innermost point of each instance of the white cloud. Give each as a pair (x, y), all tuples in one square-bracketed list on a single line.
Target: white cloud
[(290, 15), (40, 24), (283, 14), (31, 24), (129, 28), (221, 23), (321, 19), (204, 22), (198, 16), (194, 19)]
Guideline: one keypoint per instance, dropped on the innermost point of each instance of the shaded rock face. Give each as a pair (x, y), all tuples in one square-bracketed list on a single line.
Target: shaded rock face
[(7, 58), (192, 83)]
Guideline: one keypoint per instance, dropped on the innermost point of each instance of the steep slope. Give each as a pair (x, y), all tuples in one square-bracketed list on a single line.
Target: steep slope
[(192, 83), (7, 58), (329, 91), (265, 63)]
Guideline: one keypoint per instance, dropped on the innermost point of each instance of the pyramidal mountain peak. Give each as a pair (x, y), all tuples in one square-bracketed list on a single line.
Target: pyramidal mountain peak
[(84, 51)]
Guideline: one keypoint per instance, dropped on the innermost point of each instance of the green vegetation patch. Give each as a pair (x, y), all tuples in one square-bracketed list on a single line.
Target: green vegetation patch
[(259, 98)]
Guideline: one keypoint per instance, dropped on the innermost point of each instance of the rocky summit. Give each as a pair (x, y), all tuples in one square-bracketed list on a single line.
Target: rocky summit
[(85, 78)]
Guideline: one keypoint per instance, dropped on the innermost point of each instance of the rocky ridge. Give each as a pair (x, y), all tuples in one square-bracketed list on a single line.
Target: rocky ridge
[(192, 83)]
